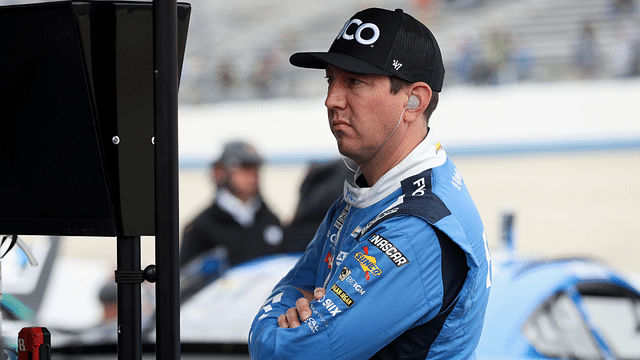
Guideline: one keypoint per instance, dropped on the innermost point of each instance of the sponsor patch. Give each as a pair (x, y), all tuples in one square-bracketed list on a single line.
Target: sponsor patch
[(421, 187), (347, 32), (330, 306), (313, 325), (389, 249), (368, 263), (329, 260), (356, 232), (346, 299), (341, 256), (355, 285), (317, 314), (344, 273), (343, 215)]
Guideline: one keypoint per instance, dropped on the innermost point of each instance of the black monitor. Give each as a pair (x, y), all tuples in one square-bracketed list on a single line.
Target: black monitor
[(76, 117)]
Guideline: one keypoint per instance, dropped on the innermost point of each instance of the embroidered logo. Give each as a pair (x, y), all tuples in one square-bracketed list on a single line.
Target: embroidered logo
[(356, 232), (387, 247), (420, 187), (330, 306), (329, 260), (346, 299), (368, 263), (370, 36), (313, 325), (344, 273), (343, 215), (341, 256)]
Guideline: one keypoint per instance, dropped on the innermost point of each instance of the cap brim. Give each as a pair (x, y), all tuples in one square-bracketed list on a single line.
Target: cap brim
[(320, 60)]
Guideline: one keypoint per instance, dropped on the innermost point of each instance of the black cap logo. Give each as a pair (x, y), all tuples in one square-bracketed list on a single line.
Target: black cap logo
[(365, 33)]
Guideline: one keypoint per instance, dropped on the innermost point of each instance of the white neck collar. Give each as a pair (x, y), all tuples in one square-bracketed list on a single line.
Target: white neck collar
[(428, 154)]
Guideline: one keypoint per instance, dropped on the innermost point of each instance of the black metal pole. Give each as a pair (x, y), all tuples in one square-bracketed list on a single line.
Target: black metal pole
[(129, 299), (165, 41)]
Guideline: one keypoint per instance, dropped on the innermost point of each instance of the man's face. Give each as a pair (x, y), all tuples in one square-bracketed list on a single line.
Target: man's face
[(242, 180), (362, 112)]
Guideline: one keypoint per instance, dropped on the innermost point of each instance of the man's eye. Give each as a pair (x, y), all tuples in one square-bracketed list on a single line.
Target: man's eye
[(355, 81)]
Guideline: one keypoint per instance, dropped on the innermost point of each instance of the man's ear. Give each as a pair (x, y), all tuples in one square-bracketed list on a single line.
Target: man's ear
[(421, 93)]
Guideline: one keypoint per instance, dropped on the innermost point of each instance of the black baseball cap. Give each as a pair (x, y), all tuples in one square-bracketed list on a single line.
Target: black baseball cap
[(382, 42)]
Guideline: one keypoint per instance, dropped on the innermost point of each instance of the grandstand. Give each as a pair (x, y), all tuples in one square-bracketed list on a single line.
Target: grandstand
[(250, 41), (550, 28), (242, 34)]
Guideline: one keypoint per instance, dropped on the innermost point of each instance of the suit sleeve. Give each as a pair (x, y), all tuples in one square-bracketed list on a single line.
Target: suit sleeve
[(265, 333), (388, 283)]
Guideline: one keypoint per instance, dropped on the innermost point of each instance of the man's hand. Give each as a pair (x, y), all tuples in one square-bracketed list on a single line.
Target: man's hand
[(294, 316)]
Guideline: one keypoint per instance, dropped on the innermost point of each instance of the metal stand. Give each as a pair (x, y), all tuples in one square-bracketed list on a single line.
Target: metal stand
[(166, 272), (165, 34), (129, 277)]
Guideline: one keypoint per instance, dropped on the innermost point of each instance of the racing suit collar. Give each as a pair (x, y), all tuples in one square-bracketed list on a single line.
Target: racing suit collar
[(428, 154)]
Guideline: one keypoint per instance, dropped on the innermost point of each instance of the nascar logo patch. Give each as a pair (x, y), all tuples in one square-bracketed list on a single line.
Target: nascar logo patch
[(389, 249)]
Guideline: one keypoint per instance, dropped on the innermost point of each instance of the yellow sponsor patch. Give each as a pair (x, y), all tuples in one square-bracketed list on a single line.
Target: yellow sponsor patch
[(368, 263), (346, 299)]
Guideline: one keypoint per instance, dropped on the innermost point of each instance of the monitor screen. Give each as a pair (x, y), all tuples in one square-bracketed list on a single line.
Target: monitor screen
[(52, 181), (60, 100)]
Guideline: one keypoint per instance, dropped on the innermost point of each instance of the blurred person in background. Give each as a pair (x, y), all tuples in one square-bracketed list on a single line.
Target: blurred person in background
[(587, 55), (320, 188), (399, 267), (238, 225), (625, 49), (109, 299), (468, 57), (106, 331)]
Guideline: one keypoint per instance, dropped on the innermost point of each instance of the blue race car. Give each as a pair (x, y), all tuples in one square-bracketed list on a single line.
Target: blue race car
[(572, 308)]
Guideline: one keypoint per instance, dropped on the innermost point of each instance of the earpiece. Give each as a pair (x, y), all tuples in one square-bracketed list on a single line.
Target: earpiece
[(413, 103)]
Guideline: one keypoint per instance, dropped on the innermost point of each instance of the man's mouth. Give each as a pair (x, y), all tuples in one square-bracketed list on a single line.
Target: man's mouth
[(338, 122)]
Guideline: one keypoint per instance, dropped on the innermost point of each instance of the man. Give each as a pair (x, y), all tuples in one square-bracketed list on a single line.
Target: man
[(238, 225), (399, 268)]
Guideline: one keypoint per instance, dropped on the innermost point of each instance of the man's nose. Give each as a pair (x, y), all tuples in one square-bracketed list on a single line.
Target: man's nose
[(335, 97)]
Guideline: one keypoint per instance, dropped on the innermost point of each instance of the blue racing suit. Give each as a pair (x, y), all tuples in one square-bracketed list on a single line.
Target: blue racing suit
[(406, 269)]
